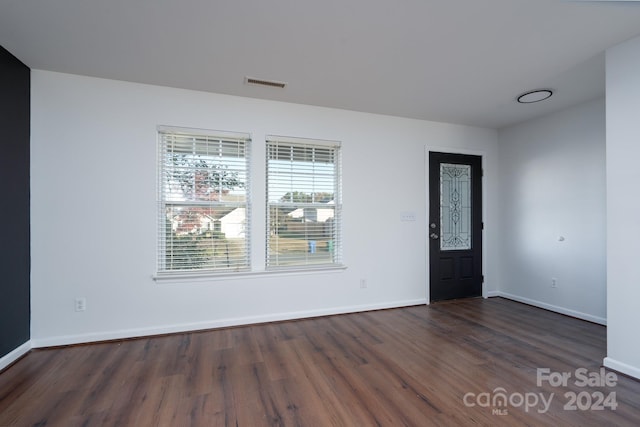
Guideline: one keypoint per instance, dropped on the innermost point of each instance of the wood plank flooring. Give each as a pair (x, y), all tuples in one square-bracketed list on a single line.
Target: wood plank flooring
[(440, 365)]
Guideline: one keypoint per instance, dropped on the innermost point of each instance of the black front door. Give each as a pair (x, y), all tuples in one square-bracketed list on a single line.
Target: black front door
[(455, 226)]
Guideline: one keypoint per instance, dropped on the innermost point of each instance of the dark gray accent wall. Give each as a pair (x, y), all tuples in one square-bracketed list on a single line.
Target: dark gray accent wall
[(15, 263)]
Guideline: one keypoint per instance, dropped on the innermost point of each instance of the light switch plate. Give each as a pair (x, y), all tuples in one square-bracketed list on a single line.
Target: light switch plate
[(407, 216)]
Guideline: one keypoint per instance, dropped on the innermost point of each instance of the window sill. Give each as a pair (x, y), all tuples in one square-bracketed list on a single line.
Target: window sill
[(215, 276)]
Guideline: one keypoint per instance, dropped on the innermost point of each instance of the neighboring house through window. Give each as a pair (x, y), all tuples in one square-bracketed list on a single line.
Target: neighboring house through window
[(203, 195), (303, 203)]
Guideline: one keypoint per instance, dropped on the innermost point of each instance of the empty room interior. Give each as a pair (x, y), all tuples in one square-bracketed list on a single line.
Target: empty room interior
[(319, 213)]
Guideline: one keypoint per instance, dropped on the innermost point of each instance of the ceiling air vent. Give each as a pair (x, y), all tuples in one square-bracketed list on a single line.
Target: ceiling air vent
[(272, 83)]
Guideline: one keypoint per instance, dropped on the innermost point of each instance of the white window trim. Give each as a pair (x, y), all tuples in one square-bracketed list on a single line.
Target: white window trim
[(338, 241), (203, 276), (163, 274)]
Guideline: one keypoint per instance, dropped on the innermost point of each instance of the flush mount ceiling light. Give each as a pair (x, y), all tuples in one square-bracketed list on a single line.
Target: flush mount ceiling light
[(263, 82), (535, 96)]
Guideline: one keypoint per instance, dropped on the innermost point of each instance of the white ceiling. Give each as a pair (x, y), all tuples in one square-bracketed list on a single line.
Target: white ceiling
[(459, 61)]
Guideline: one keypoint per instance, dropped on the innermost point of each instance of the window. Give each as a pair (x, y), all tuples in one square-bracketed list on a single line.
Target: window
[(303, 203), (203, 201)]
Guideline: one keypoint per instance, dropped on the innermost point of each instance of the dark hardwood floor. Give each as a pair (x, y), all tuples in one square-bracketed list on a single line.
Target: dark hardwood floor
[(446, 364)]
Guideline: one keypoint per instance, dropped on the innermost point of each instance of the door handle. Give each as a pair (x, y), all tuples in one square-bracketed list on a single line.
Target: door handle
[(434, 236)]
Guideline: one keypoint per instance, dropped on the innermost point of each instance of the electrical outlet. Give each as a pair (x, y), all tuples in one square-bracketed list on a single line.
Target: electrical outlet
[(363, 283), (554, 282), (81, 304)]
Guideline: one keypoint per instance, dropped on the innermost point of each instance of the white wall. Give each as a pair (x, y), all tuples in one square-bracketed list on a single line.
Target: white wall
[(623, 207), (93, 210), (552, 184)]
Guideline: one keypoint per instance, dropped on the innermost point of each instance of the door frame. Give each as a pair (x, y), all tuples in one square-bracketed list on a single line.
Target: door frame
[(485, 255)]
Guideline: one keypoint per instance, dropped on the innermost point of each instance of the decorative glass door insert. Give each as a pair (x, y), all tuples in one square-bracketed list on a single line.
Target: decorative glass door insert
[(455, 207)]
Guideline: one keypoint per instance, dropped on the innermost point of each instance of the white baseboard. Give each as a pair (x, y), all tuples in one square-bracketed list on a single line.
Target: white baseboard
[(551, 307), (222, 323), (491, 294), (15, 355), (632, 371)]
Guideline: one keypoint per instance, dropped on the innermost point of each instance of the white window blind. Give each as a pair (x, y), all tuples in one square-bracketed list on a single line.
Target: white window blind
[(203, 193), (303, 203)]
